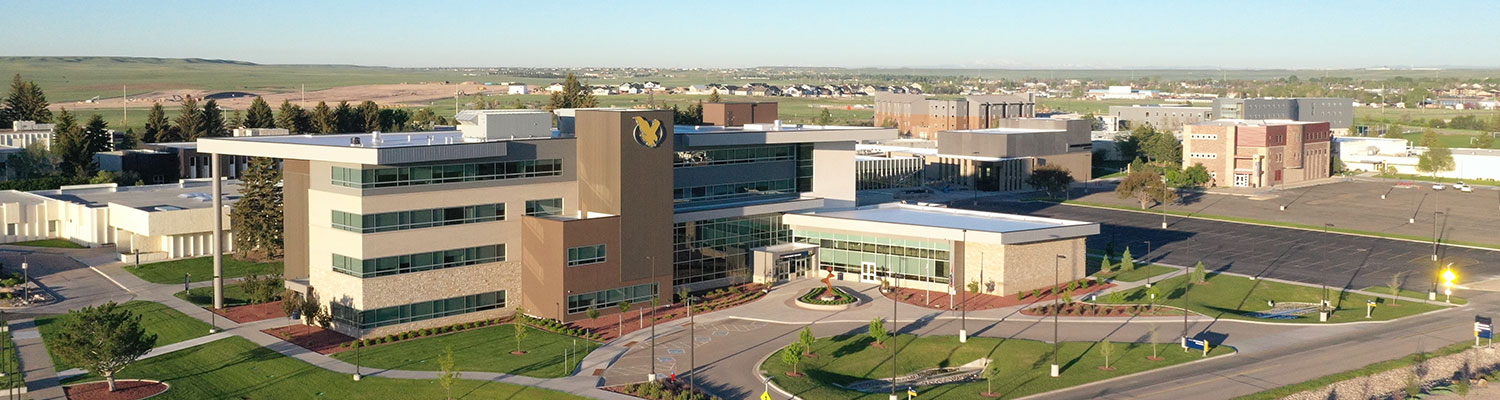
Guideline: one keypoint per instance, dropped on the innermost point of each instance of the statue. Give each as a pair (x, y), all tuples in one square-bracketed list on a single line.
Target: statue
[(828, 286)]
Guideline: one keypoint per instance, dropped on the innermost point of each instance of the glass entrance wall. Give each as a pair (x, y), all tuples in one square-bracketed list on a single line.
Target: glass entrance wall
[(719, 248), (900, 258)]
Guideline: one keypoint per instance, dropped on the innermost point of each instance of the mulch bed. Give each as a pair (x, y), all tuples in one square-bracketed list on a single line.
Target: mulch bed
[(981, 301), (124, 390), (252, 313), (607, 325), (1105, 310), (322, 341)]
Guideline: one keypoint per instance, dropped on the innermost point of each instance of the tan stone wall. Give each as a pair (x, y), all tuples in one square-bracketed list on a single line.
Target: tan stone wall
[(1032, 265), (442, 284)]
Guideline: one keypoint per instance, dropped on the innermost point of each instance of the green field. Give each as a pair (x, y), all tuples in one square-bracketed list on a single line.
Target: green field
[(485, 349), (52, 243), (1227, 296), (236, 368), (234, 295), (1023, 365), (1141, 272), (201, 269), (1413, 294), (169, 326)]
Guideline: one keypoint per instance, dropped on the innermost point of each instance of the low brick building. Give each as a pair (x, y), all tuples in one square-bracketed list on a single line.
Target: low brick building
[(1259, 153), (918, 116)]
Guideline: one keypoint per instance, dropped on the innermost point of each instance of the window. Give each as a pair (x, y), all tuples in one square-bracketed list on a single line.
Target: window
[(402, 264), (586, 255), (545, 207), (610, 298), (417, 311), (734, 190), (1199, 136), (416, 219), (52, 226), (10, 229), (1204, 155), (907, 259), (432, 174)]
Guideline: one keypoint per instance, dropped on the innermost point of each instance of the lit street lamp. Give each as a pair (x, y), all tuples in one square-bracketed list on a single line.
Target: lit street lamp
[(1056, 309)]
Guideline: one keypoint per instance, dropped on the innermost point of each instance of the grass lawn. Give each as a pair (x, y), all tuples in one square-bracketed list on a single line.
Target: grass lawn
[(1023, 363), (487, 349), (236, 368), (1226, 296), (169, 326), (53, 243), (1140, 272), (201, 269), (1403, 362), (234, 295), (1414, 294), (13, 377)]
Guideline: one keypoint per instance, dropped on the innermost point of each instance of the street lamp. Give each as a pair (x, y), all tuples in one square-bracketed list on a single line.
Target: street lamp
[(654, 304), (25, 282), (1448, 277), (896, 330), (1148, 266), (1056, 282), (359, 323)]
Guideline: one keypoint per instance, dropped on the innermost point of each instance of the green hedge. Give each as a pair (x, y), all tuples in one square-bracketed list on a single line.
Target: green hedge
[(812, 297)]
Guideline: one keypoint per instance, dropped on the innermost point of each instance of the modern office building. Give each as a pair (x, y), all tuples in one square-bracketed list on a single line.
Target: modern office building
[(993, 159), (921, 117), (1337, 112), (409, 230), (1259, 153), (1166, 117)]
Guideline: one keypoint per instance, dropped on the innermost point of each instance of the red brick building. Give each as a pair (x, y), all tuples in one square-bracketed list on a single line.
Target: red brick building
[(1259, 153)]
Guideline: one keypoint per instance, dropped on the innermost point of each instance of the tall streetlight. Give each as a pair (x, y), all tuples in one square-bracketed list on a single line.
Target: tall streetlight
[(692, 346), (1056, 282), (654, 304), (26, 282), (1448, 278), (359, 325), (1432, 294), (1148, 273), (895, 330)]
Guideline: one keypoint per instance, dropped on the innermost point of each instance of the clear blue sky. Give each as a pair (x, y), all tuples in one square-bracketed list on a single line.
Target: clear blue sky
[(707, 33)]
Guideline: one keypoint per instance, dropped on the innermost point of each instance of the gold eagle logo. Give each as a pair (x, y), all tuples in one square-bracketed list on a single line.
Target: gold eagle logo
[(648, 133)]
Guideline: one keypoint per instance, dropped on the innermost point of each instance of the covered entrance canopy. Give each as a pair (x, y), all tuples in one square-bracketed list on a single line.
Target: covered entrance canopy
[(784, 262)]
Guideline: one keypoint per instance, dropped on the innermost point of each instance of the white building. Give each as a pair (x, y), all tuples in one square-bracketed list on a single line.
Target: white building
[(516, 88), (1371, 154), (160, 221), (24, 133)]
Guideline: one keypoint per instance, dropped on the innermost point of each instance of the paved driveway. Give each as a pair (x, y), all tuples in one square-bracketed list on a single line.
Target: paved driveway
[(56, 270)]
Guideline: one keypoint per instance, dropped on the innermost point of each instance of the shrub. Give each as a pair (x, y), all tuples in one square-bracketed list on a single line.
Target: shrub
[(344, 345)]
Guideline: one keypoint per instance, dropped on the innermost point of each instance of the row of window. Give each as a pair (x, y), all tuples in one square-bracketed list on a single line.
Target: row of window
[(583, 255), (402, 264), (611, 298), (1210, 156), (544, 207), (733, 190), (431, 174), (416, 219), (417, 311), (1201, 136), (734, 155)]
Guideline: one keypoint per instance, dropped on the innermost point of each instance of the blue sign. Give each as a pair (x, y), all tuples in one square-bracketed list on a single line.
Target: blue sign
[(1483, 329), (1195, 344)]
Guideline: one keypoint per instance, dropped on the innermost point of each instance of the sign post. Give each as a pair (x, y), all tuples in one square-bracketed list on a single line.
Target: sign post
[(1195, 344), (1369, 307), (1483, 329)]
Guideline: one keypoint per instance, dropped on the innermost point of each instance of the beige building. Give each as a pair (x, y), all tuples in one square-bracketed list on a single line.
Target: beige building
[(919, 116), (1259, 153), (993, 159), (158, 222)]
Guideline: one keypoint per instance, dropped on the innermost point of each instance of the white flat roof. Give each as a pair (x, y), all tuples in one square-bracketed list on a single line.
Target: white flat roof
[(944, 223), (1009, 131), (186, 195)]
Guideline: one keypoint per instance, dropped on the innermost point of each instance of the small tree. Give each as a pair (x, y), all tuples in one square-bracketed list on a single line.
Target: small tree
[(792, 355), (103, 340), (624, 308), (1199, 275), (991, 372), (521, 330), (449, 372), (1067, 297), (1127, 263), (825, 118), (1107, 349), (878, 332), (1105, 266), (1153, 294), (1155, 341), (592, 313), (293, 304), (1050, 179), (682, 295), (1395, 285)]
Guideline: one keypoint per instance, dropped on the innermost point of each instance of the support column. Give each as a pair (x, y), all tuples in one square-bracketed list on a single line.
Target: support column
[(217, 247)]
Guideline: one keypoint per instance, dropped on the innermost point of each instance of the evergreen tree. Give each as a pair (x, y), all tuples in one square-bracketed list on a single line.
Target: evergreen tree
[(1127, 263), (714, 97), (65, 124), (190, 123), (96, 136), (129, 140), (26, 102), (259, 115), (573, 95), (291, 117), (72, 151), (1199, 275), (323, 120), (157, 128), (213, 121), (348, 120), (825, 118), (369, 114), (394, 120), (258, 213), (424, 119), (235, 120)]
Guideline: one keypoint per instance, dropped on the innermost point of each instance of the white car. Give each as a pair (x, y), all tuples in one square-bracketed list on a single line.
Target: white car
[(1459, 185), (1467, 189), (1439, 186)]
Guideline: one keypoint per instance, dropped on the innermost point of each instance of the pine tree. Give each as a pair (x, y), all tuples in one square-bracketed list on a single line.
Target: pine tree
[(72, 151), (129, 140), (235, 120), (573, 95), (213, 121), (1127, 263), (348, 120), (259, 115), (157, 128), (1105, 266), (258, 214), (289, 117), (1199, 274), (714, 97), (96, 136), (323, 120), (369, 113), (189, 121), (26, 102)]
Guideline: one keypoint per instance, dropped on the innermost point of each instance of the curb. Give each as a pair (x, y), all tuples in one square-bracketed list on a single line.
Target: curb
[(1045, 394)]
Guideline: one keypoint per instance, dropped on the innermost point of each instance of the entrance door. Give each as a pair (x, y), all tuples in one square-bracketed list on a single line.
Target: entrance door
[(800, 267), (868, 273)]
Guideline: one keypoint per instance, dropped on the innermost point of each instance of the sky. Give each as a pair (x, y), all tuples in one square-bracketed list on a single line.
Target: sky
[(715, 34)]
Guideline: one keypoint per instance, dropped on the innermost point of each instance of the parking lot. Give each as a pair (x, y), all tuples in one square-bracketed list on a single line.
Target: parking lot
[(1407, 209)]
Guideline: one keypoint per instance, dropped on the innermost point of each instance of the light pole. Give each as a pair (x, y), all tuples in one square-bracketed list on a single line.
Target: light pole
[(25, 281), (359, 324), (1056, 309), (895, 330), (692, 346), (1148, 254), (654, 303)]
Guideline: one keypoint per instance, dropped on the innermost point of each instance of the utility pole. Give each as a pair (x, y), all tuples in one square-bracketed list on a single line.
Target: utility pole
[(1056, 309), (895, 330), (654, 305)]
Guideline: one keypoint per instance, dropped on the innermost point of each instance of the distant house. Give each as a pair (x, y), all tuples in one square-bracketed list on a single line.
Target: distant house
[(604, 91), (518, 88), (698, 89), (555, 88)]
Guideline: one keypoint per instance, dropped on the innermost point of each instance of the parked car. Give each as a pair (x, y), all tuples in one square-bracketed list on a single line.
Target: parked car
[(1439, 186), (1467, 189), (1459, 185)]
